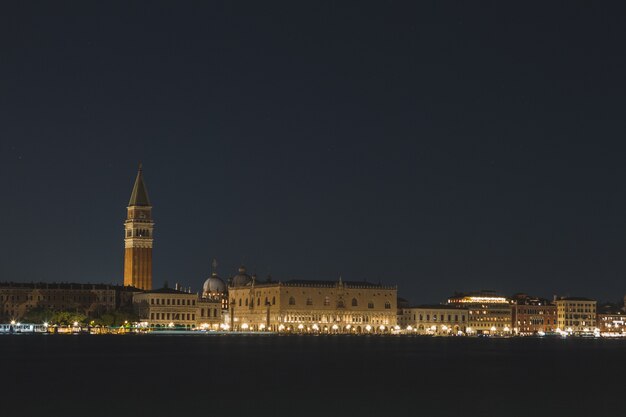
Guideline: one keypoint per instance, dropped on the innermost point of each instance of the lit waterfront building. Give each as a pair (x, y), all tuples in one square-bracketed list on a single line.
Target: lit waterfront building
[(310, 306), (576, 314), (611, 319), (533, 315), (488, 312), (434, 319), (166, 307), (138, 237)]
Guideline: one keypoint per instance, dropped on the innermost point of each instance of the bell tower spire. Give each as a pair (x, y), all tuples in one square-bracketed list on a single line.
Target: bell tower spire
[(138, 237)]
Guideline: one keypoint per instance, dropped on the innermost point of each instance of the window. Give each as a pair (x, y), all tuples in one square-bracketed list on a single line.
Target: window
[(340, 304), (258, 301), (267, 301), (240, 302), (387, 305), (273, 300), (327, 301), (246, 302), (354, 302), (292, 301), (309, 301), (215, 312), (370, 304)]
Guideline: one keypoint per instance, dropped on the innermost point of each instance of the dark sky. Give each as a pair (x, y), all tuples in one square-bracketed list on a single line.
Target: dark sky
[(434, 146)]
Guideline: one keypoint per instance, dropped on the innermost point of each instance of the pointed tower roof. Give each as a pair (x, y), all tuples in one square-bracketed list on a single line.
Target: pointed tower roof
[(139, 196)]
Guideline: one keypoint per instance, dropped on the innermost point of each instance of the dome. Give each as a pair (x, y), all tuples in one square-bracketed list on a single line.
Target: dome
[(241, 279), (214, 285)]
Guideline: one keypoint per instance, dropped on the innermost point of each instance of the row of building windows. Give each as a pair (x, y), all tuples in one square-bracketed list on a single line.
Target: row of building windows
[(536, 321), (172, 316), (174, 302), (441, 317), (208, 312)]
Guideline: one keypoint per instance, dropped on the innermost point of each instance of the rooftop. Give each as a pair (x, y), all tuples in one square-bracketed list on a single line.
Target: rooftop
[(65, 286)]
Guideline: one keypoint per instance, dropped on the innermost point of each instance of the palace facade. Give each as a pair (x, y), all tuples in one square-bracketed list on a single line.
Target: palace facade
[(533, 315), (310, 306)]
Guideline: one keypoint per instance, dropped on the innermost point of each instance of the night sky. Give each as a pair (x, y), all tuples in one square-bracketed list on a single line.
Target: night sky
[(438, 147)]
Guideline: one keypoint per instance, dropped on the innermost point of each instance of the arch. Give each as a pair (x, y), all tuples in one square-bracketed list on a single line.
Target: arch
[(355, 303)]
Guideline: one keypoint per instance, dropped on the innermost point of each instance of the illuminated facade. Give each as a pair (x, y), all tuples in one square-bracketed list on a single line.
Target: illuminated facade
[(488, 312), (576, 314), (310, 306), (532, 315), (434, 319), (611, 319), (166, 307), (138, 237)]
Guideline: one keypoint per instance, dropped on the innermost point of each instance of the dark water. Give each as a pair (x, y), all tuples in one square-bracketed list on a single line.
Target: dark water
[(309, 376)]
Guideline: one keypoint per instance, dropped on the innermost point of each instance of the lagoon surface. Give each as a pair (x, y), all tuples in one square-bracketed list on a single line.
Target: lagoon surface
[(256, 375)]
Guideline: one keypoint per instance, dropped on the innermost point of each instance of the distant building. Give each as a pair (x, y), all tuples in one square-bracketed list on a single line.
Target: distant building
[(434, 319), (531, 315), (610, 318), (138, 238), (310, 306), (16, 299), (576, 314), (166, 307), (213, 304), (489, 313)]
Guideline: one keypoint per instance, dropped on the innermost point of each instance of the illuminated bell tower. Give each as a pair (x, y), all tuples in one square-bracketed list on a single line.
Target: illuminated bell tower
[(138, 238)]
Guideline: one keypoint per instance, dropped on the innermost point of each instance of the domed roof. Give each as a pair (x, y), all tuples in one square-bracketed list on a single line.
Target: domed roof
[(214, 285), (241, 279)]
